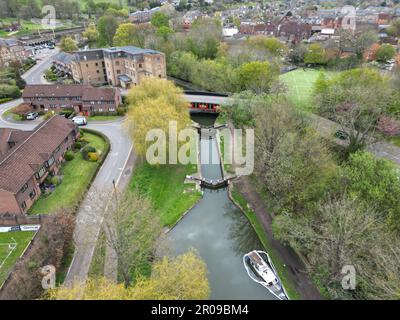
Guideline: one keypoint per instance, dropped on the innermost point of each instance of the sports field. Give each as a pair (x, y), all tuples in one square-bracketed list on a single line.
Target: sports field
[(300, 85), (12, 244)]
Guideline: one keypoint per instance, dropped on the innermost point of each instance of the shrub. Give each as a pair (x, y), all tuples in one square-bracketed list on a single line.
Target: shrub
[(69, 155), (93, 156), (121, 111), (55, 180), (78, 145), (48, 115), (86, 150)]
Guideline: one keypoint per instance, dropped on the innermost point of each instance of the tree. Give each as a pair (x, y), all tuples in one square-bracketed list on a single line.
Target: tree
[(91, 33), (375, 182), (342, 232), (394, 29), (256, 76), (159, 20), (180, 278), (298, 53), (356, 99), (204, 37), (163, 103), (131, 230), (385, 52), (128, 34), (315, 54), (164, 32), (68, 44), (270, 44), (107, 26)]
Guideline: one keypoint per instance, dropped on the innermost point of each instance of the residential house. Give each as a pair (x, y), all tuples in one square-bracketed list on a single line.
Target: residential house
[(77, 97), (27, 158)]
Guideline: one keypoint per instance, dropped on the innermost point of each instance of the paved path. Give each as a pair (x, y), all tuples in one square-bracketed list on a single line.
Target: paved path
[(294, 265)]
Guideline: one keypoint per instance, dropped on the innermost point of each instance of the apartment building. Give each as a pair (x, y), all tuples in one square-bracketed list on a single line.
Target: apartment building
[(78, 97), (120, 66), (27, 158), (12, 50)]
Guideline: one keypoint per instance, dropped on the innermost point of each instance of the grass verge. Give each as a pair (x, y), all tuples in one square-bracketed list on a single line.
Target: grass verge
[(164, 186), (279, 265), (77, 176)]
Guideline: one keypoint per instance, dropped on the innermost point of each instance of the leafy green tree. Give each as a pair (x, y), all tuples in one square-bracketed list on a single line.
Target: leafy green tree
[(256, 76), (159, 20), (385, 52), (91, 33), (315, 55), (376, 183), (68, 44), (107, 26), (164, 32)]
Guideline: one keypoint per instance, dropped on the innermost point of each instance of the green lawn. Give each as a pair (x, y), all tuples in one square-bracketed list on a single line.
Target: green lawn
[(300, 85), (103, 118), (12, 244), (278, 263), (395, 141), (77, 175), (164, 186)]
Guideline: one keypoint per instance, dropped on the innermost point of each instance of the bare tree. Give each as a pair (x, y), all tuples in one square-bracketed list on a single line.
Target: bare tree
[(131, 231)]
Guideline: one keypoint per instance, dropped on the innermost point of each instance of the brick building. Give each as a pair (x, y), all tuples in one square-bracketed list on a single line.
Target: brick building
[(12, 50), (79, 97), (28, 157), (120, 66)]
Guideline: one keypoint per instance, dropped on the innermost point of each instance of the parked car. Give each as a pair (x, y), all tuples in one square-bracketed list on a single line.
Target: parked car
[(79, 120), (32, 116), (342, 135)]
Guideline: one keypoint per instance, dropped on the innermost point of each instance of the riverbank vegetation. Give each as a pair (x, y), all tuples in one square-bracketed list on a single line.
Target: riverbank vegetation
[(180, 278), (326, 201)]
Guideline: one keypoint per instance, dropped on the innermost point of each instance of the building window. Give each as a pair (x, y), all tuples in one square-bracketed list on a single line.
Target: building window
[(58, 149), (23, 189), (23, 205), (111, 109), (50, 162), (140, 65), (40, 173), (32, 194), (100, 110), (118, 71), (117, 63)]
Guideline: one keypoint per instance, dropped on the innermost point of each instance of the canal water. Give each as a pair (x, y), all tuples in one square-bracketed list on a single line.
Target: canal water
[(220, 232)]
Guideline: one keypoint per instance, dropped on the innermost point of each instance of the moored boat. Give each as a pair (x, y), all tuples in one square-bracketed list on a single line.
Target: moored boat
[(260, 269)]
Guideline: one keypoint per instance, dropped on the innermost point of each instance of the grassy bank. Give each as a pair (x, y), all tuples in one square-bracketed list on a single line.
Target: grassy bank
[(164, 186), (12, 245), (77, 175), (279, 265)]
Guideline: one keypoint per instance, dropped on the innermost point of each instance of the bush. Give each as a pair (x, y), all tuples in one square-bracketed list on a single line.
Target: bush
[(93, 156), (9, 91), (86, 150), (4, 100), (69, 155), (55, 180), (121, 111), (48, 115), (78, 145)]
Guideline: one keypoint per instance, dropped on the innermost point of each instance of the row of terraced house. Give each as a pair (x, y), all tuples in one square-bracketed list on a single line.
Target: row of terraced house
[(27, 158)]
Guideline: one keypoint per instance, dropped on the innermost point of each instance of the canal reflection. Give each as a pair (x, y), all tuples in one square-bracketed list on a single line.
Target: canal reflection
[(221, 234)]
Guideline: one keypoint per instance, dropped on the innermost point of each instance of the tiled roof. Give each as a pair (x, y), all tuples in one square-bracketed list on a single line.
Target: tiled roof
[(107, 94), (54, 90), (22, 162), (86, 92)]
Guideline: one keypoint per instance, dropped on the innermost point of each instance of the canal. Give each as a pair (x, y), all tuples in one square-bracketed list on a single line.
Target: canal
[(220, 232)]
